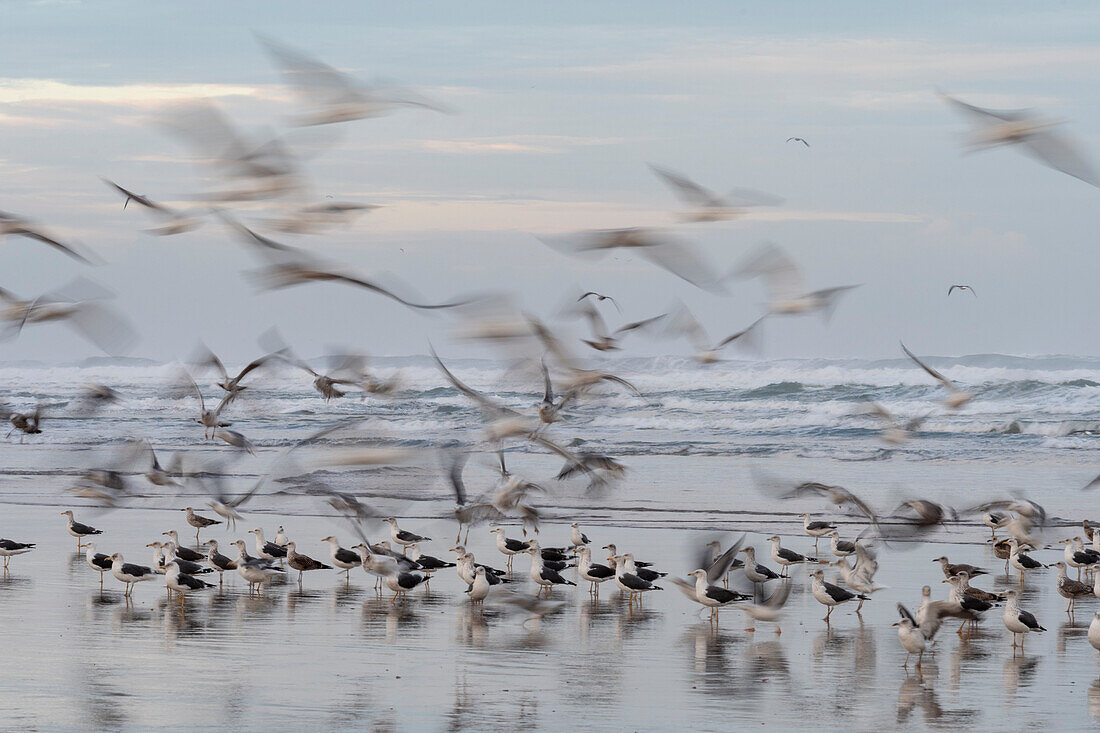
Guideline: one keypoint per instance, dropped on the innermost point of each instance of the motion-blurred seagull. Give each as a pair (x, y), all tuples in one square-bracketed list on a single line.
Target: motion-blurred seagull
[(602, 340), (707, 205), (16, 226), (288, 266), (335, 96), (1037, 135), (962, 287), (895, 431), (177, 222), (209, 419), (787, 294), (683, 322), (231, 385), (956, 397), (78, 305), (662, 250)]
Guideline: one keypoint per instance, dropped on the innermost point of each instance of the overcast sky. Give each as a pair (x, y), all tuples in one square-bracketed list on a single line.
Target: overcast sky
[(559, 108)]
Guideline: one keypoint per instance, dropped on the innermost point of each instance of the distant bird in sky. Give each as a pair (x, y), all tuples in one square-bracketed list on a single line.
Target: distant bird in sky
[(962, 287), (1037, 135), (601, 298), (798, 140), (709, 206)]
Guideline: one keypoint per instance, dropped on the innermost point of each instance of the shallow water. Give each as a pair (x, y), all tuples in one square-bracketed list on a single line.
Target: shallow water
[(339, 656)]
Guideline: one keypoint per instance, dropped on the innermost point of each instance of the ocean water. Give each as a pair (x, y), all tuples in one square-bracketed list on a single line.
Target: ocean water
[(696, 445)]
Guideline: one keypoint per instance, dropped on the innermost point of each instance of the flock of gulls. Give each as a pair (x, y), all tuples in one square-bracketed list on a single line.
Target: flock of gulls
[(244, 171)]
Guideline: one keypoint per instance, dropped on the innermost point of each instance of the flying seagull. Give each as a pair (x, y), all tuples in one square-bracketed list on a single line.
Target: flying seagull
[(1036, 134), (798, 140), (709, 206), (962, 287)]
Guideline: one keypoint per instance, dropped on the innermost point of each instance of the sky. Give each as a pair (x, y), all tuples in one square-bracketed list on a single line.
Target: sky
[(557, 110)]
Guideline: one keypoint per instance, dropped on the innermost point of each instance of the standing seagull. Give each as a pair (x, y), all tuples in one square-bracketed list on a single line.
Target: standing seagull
[(545, 577), (963, 287), (594, 573), (182, 583), (129, 573), (1094, 631), (199, 522), (786, 557), (97, 561), (577, 537), (342, 558), (831, 595), (816, 529), (302, 563), (78, 530), (218, 561), (10, 548), (912, 638), (402, 537), (1019, 621), (712, 596), (756, 572), (630, 583)]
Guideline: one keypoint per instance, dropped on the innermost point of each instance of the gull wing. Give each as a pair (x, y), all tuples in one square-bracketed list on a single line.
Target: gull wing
[(686, 189), (782, 277), (1060, 153)]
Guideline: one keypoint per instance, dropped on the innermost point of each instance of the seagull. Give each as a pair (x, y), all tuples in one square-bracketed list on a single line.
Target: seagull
[(602, 340), (896, 432), (198, 521), (712, 596), (401, 583), (1094, 631), (267, 550), (256, 571), (182, 583), (576, 537), (787, 294), (508, 546), (1019, 621), (683, 322), (756, 572), (950, 568), (816, 529), (185, 552), (25, 423), (428, 564), (402, 537), (341, 558), (1022, 562), (830, 595), (668, 253), (962, 287), (798, 140), (129, 573), (11, 548), (1070, 589), (97, 561), (209, 419), (708, 206), (594, 573), (600, 298), (786, 557), (479, 589), (12, 225), (177, 222), (235, 439), (219, 562), (1037, 135), (78, 530), (232, 385), (335, 96), (302, 563), (956, 397), (631, 584), (545, 577), (839, 547), (912, 638)]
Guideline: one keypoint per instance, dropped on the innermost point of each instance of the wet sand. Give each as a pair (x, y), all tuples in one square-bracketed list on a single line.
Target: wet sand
[(339, 656)]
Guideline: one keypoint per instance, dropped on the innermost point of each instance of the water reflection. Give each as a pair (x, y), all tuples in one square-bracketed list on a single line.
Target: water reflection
[(1019, 671)]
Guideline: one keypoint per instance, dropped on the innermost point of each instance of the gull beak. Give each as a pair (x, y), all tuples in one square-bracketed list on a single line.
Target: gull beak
[(896, 623)]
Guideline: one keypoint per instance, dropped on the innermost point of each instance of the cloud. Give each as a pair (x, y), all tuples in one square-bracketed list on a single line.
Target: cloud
[(505, 144), (24, 91)]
